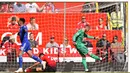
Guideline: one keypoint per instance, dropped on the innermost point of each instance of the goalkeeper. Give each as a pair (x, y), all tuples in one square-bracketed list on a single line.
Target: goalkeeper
[(50, 64), (80, 46)]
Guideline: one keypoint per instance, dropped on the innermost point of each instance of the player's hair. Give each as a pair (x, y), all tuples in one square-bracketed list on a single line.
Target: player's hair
[(30, 33), (22, 19), (41, 54), (115, 37), (32, 18), (13, 19)]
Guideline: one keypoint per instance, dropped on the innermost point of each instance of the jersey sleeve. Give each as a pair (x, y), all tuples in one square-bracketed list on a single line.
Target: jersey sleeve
[(25, 28), (76, 35), (88, 36)]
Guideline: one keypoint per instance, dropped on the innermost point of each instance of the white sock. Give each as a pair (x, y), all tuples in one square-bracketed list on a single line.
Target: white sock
[(42, 62), (20, 68)]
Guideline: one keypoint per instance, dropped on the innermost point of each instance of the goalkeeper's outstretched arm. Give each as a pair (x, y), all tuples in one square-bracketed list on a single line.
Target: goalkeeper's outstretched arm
[(91, 37), (35, 64)]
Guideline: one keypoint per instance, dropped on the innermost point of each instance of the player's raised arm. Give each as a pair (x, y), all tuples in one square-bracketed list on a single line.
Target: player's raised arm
[(92, 37)]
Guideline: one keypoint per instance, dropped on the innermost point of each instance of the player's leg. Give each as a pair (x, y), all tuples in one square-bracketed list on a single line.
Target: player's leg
[(53, 69), (94, 56), (29, 52), (84, 63), (20, 62), (22, 50), (37, 69), (20, 59), (49, 69), (83, 51)]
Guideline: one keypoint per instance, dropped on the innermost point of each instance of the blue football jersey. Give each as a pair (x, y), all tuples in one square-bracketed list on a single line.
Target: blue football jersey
[(23, 33)]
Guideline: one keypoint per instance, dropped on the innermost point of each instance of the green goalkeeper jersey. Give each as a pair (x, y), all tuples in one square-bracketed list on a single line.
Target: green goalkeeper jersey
[(78, 37)]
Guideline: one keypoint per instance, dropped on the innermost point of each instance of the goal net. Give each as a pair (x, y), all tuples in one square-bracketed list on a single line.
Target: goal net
[(113, 18), (61, 26)]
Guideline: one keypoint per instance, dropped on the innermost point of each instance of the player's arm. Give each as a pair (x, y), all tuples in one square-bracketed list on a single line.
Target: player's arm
[(35, 64), (88, 36), (25, 29), (91, 37)]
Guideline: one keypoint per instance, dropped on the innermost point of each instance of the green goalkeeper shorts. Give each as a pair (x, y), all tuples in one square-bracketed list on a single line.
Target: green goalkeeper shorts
[(82, 49)]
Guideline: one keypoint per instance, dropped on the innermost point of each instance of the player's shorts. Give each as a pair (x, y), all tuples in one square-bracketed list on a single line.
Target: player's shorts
[(82, 49), (25, 46), (50, 69)]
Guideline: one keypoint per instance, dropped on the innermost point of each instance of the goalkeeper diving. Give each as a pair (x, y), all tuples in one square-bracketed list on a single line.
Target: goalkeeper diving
[(80, 46), (50, 64)]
